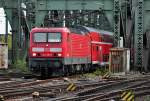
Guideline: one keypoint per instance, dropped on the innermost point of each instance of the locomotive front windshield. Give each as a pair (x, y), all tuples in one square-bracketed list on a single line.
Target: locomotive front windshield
[(47, 37), (54, 37)]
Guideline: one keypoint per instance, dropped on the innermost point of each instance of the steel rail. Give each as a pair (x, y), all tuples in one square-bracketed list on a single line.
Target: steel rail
[(82, 96)]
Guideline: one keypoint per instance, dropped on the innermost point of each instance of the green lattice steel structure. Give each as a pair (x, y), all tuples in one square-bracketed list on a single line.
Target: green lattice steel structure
[(37, 11), (139, 30)]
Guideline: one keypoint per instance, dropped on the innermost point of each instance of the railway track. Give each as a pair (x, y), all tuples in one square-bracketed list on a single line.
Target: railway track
[(55, 89), (27, 90), (4, 78), (23, 88), (116, 95), (110, 91)]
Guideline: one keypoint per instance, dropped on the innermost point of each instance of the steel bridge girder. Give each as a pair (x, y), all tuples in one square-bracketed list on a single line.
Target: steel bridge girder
[(139, 21), (72, 4)]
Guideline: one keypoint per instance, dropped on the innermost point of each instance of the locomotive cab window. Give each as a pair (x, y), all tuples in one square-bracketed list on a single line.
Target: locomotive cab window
[(40, 37), (47, 37), (54, 37)]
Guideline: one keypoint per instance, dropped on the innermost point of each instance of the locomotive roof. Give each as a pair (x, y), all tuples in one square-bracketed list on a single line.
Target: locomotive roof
[(78, 29), (50, 29), (90, 29)]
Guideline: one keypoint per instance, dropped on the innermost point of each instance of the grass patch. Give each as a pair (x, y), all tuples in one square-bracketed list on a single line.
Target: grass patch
[(97, 72), (20, 65), (100, 71)]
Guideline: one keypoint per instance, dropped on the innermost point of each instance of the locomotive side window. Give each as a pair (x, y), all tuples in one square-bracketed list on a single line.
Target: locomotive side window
[(54, 37), (106, 38), (40, 37)]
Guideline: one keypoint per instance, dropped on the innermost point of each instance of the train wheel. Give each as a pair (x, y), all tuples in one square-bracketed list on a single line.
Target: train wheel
[(68, 71), (86, 68), (82, 69), (78, 68), (89, 67), (65, 70), (43, 73), (73, 69)]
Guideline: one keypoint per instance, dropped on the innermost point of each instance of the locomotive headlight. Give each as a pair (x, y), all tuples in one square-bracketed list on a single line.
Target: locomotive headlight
[(56, 49), (59, 54), (34, 54), (37, 49)]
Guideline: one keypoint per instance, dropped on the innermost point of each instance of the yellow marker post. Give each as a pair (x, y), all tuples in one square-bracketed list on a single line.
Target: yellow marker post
[(123, 94), (107, 75), (35, 94), (1, 98), (127, 96), (131, 98), (71, 87)]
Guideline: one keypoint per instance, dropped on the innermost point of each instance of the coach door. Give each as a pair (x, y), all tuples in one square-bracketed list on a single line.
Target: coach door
[(100, 54)]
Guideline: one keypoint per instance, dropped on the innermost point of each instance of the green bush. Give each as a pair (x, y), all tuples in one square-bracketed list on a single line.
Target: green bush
[(100, 71), (21, 66)]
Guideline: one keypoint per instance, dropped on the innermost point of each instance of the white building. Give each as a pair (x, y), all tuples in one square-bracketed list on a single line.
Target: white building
[(3, 22)]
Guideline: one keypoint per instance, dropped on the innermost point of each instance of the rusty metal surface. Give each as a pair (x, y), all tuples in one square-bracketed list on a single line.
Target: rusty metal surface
[(3, 56), (119, 60)]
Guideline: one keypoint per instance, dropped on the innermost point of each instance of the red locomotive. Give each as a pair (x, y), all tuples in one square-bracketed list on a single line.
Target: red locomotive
[(68, 50)]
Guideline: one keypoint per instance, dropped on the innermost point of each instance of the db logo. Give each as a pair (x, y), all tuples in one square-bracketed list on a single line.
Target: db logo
[(47, 49)]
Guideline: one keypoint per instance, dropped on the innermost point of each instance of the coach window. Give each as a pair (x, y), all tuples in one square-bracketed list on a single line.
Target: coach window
[(93, 48), (68, 34), (100, 38), (97, 48)]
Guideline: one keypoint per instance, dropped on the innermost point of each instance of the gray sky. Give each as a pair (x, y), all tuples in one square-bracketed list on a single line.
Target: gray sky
[(2, 22)]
